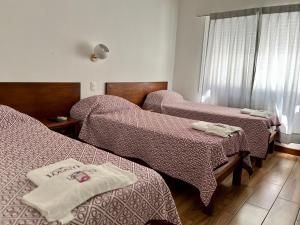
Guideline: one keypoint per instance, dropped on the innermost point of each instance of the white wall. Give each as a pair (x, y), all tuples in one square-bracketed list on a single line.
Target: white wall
[(51, 40), (190, 35)]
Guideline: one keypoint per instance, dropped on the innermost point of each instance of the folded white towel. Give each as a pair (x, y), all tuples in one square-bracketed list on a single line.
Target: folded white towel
[(246, 111), (43, 174), (56, 197), (219, 129), (256, 113), (261, 114), (228, 127), (201, 125)]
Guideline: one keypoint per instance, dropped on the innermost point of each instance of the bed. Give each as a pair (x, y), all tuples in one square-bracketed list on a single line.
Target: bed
[(26, 144), (167, 144), (260, 132)]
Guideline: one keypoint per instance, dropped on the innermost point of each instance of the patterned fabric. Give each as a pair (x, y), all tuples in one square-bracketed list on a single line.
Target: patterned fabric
[(26, 144), (166, 143), (9, 117), (256, 129), (103, 104), (156, 99)]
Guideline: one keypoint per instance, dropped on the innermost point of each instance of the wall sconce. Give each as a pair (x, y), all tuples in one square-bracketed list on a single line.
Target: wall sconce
[(100, 52)]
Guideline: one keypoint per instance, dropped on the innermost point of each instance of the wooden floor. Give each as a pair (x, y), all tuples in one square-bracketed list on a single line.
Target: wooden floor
[(270, 197)]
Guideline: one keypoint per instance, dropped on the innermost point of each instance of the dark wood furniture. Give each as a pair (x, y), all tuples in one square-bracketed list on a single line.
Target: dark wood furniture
[(272, 139), (287, 150), (40, 100), (235, 166), (134, 92), (68, 128), (222, 172)]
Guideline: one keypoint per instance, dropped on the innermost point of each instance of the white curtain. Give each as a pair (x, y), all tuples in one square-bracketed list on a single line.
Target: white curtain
[(277, 79), (228, 69)]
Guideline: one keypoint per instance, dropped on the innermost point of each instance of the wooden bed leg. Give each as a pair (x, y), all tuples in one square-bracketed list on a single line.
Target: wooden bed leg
[(258, 163), (208, 210), (237, 174), (271, 147)]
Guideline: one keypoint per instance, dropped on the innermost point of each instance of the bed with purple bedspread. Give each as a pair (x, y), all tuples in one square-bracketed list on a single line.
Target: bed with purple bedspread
[(26, 144), (257, 129), (166, 143)]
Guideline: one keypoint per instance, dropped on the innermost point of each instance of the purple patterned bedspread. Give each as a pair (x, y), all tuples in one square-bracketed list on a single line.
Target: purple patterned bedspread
[(166, 143), (256, 129), (26, 144)]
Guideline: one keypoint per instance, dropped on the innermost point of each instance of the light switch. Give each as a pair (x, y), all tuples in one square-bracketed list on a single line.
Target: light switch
[(93, 86)]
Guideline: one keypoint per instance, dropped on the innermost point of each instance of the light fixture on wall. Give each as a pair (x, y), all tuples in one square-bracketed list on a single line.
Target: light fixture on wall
[(100, 52)]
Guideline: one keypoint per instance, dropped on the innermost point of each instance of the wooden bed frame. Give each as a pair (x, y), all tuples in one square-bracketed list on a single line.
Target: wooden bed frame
[(136, 92), (40, 100)]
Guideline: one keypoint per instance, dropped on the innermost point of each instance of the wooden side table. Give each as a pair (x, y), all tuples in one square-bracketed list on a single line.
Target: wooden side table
[(68, 128)]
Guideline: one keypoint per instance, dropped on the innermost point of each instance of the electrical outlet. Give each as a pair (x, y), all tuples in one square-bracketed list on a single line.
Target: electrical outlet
[(93, 86)]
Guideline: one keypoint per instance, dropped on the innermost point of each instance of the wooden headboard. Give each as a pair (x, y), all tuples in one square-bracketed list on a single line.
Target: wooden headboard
[(134, 92), (40, 100)]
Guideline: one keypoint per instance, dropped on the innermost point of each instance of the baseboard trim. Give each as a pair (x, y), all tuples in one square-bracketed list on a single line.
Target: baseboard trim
[(287, 150)]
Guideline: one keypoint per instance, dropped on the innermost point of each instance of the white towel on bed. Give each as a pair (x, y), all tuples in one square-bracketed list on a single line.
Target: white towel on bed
[(218, 129), (263, 114), (43, 174), (246, 111), (201, 125), (228, 127), (256, 113), (56, 197)]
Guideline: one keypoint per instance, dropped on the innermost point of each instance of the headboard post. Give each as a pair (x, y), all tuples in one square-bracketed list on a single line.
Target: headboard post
[(40, 100), (135, 92)]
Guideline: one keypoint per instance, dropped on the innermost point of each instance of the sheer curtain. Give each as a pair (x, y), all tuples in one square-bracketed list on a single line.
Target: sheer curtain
[(277, 79), (228, 70)]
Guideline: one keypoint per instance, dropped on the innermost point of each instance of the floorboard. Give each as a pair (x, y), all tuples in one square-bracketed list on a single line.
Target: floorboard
[(265, 195), (298, 219), (291, 191), (245, 215), (296, 170), (270, 196), (283, 212)]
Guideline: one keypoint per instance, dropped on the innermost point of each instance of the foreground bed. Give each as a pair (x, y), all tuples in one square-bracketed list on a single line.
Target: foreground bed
[(166, 143), (26, 144), (260, 132)]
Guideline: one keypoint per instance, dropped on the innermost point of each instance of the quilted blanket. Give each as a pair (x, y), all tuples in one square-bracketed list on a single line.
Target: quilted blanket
[(166, 143), (26, 144), (256, 129)]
